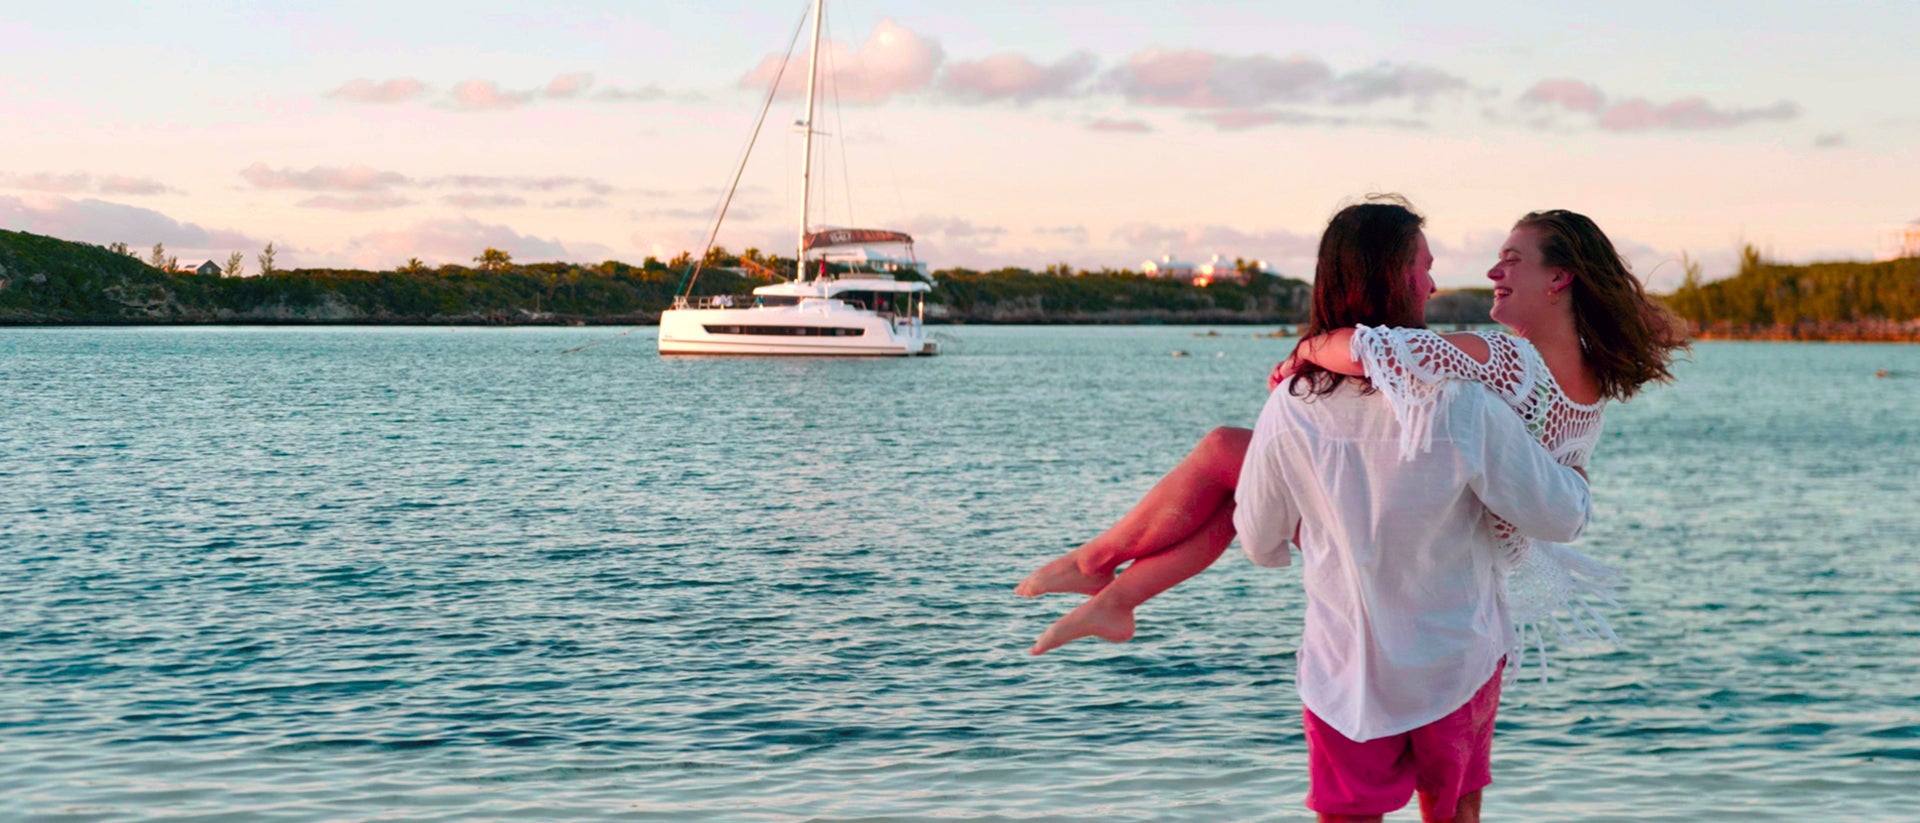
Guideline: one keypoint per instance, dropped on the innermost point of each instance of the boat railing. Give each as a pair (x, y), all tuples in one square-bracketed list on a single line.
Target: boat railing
[(714, 301)]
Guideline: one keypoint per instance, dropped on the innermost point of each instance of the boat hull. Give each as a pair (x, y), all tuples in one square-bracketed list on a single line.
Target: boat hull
[(785, 331)]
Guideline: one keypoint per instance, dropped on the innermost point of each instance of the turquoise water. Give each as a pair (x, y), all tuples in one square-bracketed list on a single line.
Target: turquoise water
[(433, 574)]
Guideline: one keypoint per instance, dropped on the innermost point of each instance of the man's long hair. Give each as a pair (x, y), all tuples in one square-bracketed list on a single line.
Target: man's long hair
[(1361, 278)]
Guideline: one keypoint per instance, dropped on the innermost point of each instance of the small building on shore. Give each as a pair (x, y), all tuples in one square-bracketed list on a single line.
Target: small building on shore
[(208, 268), (1166, 266), (1903, 242), (1219, 268)]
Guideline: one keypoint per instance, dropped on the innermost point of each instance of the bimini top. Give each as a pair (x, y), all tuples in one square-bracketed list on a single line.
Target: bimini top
[(827, 238)]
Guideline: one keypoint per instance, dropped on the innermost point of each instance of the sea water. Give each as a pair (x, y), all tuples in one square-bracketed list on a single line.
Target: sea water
[(458, 574)]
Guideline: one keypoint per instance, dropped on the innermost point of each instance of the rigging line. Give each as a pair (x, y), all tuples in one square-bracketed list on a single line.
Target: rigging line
[(840, 125), (693, 271)]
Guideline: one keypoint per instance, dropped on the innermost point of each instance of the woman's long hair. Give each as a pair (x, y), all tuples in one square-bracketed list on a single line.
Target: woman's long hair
[(1361, 277), (1628, 338)]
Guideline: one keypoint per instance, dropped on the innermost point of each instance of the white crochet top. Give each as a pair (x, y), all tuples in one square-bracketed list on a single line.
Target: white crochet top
[(1412, 368)]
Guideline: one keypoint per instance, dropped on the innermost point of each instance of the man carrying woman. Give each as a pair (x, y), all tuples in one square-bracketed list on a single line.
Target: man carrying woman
[(1412, 504)]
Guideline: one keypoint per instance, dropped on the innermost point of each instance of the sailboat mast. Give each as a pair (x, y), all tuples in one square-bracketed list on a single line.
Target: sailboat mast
[(806, 161)]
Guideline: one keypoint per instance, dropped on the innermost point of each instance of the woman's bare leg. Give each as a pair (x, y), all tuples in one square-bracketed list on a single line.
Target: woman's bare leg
[(1109, 614), (1173, 509)]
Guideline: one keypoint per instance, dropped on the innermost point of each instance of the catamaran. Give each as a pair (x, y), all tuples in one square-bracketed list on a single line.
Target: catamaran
[(846, 298)]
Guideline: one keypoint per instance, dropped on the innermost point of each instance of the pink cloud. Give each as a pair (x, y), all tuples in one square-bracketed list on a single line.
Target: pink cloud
[(893, 60), (1573, 95), (104, 223), (1016, 78), (1119, 126), (378, 201), (78, 182), (1641, 114), (951, 229), (323, 178), (1198, 79), (362, 90), (483, 95), (1691, 113), (457, 239), (483, 201), (480, 181), (568, 86), (117, 184), (1243, 119), (55, 183), (1392, 82)]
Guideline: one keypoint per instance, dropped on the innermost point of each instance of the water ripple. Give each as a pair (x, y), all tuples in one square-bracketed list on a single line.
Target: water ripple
[(318, 574)]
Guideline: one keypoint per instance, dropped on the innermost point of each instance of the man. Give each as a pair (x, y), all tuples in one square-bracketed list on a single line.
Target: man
[(1406, 629)]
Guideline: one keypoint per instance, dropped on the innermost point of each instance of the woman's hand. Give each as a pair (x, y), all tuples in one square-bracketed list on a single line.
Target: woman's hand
[(1281, 372)]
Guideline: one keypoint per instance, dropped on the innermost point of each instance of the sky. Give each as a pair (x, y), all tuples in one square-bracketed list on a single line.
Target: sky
[(1097, 134)]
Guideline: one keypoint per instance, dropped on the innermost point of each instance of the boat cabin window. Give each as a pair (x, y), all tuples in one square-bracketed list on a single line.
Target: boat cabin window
[(777, 300), (786, 331)]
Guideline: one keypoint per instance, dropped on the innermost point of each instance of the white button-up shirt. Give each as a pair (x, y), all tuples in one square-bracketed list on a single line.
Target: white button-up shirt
[(1406, 618)]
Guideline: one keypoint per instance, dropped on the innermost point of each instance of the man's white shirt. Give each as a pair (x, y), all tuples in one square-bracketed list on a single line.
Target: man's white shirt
[(1405, 612)]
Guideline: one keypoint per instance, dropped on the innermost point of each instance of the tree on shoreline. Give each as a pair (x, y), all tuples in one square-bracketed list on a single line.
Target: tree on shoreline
[(494, 260), (266, 259), (236, 263)]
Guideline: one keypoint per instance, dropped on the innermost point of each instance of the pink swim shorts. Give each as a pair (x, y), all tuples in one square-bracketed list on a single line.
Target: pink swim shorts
[(1446, 759)]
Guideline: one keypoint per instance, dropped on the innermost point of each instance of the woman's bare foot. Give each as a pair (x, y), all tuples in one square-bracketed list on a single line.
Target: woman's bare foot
[(1097, 617), (1061, 574)]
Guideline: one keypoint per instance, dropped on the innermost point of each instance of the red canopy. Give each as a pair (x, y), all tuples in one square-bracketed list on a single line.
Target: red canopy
[(852, 237)]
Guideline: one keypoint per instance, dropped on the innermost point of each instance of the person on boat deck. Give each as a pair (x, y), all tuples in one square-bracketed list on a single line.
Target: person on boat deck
[(1406, 631)]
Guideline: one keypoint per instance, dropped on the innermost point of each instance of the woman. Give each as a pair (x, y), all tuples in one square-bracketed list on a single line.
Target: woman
[(1586, 333)]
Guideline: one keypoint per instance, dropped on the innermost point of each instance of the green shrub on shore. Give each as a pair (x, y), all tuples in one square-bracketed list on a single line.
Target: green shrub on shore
[(1817, 300)]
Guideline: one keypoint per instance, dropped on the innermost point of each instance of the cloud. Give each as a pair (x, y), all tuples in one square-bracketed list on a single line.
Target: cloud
[(695, 214), (1390, 82), (1198, 79), (55, 183), (1572, 95), (568, 86), (646, 94), (485, 95), (452, 239), (1077, 235), (479, 181), (468, 95), (1641, 114), (355, 177), (1691, 113), (1016, 78), (576, 203), (1239, 92), (483, 201), (370, 181), (951, 229), (79, 182), (377, 201), (892, 61), (1833, 140), (1243, 119), (362, 90), (118, 184), (104, 223), (1119, 126)]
